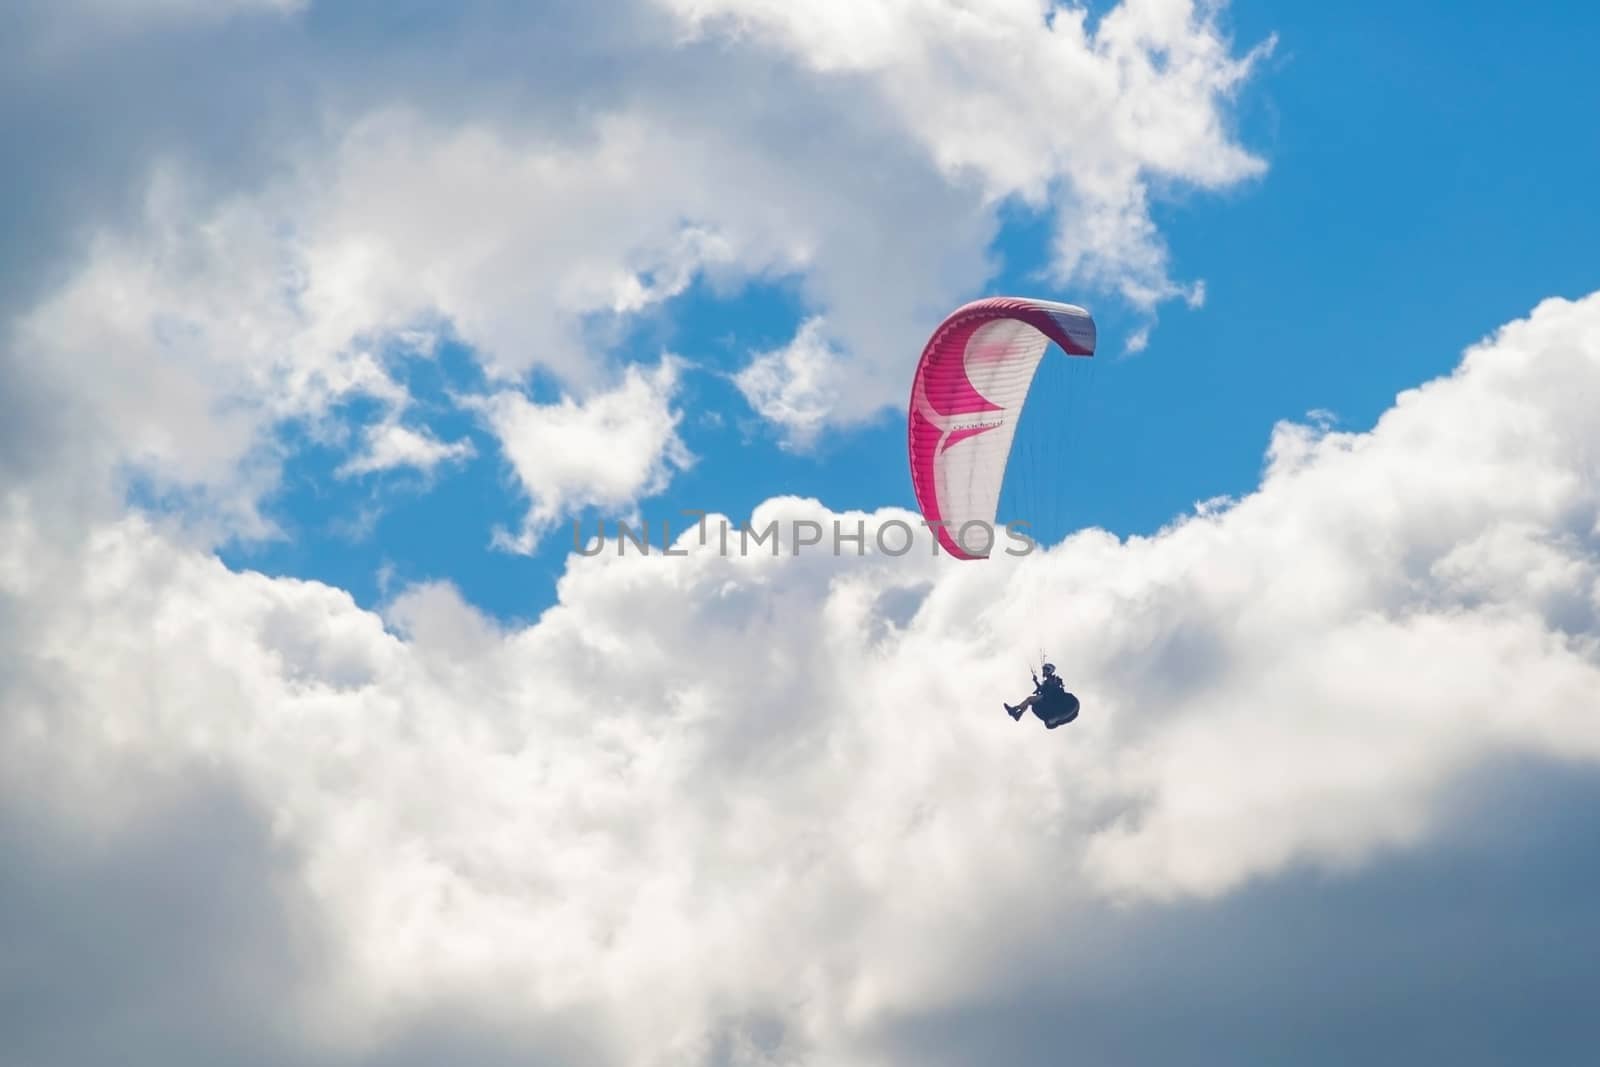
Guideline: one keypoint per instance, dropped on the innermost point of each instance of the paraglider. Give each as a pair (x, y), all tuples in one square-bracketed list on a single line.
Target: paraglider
[(967, 394), (1050, 701)]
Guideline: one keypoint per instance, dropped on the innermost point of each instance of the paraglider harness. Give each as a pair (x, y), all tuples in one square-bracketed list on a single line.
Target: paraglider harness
[(1056, 706)]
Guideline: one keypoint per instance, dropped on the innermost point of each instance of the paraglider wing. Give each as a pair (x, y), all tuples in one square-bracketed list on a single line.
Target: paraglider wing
[(966, 397)]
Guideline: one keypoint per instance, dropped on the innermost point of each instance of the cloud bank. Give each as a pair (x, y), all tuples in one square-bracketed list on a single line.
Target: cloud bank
[(767, 809)]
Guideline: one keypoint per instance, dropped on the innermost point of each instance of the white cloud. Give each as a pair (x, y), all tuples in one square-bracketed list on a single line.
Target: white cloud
[(774, 800), (177, 349), (273, 306), (524, 238), (389, 445), (607, 451), (463, 193), (795, 387), (1022, 95)]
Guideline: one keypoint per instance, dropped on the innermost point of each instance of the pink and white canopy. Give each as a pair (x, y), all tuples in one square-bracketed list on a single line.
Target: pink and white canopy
[(967, 395)]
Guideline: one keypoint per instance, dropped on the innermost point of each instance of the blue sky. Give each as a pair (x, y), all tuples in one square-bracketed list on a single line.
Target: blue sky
[(1423, 160)]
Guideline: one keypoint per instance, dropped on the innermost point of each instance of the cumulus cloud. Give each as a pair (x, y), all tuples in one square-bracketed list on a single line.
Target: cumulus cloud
[(607, 451), (1025, 97), (766, 808), (535, 184), (176, 349), (390, 445), (796, 386)]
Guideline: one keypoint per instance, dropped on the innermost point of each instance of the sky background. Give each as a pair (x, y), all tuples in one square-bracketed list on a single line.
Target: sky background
[(1422, 191), (320, 324)]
